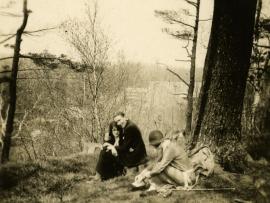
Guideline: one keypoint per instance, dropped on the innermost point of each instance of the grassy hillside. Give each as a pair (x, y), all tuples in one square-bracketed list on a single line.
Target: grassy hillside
[(67, 180)]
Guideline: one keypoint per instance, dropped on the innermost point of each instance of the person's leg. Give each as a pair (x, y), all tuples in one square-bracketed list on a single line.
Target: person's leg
[(186, 178), (119, 167), (96, 177), (170, 175), (175, 175), (160, 180), (105, 166)]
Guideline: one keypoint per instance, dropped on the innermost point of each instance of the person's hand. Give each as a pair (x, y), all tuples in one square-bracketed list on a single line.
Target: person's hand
[(144, 174), (112, 148), (106, 145), (114, 152), (139, 178)]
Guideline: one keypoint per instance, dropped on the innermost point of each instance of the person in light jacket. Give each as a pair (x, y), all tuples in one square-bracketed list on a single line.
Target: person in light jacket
[(172, 166)]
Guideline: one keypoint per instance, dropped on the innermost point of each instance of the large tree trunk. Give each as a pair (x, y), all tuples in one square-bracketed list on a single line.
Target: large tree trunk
[(218, 123), (192, 72), (13, 88)]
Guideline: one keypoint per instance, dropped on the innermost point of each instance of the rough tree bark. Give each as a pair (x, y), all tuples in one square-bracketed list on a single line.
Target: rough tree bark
[(13, 87), (218, 123)]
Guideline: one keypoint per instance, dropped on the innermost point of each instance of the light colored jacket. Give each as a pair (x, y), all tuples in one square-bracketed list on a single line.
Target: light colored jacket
[(173, 154)]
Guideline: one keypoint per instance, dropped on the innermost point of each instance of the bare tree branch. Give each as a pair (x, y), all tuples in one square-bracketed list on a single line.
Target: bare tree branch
[(6, 35), (183, 23), (4, 13), (5, 58), (177, 75), (40, 30), (180, 94), (182, 60), (26, 33), (186, 48), (192, 3), (8, 38), (174, 73)]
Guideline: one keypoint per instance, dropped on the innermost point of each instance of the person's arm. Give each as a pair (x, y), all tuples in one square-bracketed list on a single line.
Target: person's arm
[(167, 157), (112, 148), (106, 137)]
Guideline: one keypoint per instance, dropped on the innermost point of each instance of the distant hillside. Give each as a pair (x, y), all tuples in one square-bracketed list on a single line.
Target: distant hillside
[(147, 73)]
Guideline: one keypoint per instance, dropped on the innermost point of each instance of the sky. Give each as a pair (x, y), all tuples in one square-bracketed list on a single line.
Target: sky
[(130, 24)]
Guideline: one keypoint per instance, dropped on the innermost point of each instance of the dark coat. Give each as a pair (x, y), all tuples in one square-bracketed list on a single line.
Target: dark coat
[(109, 166), (131, 149)]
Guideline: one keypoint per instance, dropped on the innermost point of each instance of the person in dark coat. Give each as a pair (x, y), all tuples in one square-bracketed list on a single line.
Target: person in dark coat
[(131, 149), (109, 165)]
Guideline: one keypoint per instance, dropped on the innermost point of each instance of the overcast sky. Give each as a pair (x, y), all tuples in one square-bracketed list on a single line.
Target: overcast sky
[(130, 24)]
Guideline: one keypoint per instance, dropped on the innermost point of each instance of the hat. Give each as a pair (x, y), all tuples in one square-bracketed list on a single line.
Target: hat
[(155, 137)]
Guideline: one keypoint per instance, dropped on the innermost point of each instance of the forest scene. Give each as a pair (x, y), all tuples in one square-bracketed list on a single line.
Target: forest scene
[(191, 73)]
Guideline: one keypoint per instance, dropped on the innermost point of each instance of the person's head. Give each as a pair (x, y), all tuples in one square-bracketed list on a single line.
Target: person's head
[(155, 138), (114, 129), (120, 119)]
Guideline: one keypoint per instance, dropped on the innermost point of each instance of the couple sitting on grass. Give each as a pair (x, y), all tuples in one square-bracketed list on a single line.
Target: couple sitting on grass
[(124, 147)]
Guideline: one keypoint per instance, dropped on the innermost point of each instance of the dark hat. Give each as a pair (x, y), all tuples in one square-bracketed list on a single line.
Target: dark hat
[(155, 137)]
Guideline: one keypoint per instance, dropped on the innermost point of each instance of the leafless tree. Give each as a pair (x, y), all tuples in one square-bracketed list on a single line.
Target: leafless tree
[(188, 32), (92, 45), (13, 87)]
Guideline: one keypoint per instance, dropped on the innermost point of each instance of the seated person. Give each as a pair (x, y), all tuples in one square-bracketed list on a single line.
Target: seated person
[(131, 149), (172, 166), (109, 165)]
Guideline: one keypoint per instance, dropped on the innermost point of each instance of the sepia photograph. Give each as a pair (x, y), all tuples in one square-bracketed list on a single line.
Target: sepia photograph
[(134, 101)]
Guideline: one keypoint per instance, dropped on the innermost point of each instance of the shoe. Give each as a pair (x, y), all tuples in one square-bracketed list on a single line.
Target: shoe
[(138, 183), (95, 177)]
